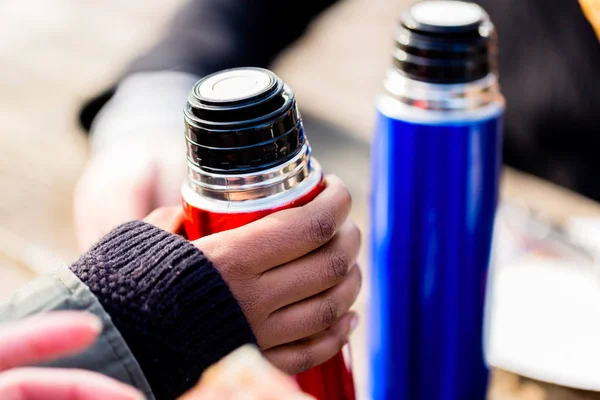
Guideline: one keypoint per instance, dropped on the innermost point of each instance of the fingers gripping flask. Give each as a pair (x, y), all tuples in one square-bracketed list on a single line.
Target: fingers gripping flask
[(248, 157)]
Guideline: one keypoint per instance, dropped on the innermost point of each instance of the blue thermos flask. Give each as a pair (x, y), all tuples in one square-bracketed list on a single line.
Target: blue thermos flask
[(436, 168)]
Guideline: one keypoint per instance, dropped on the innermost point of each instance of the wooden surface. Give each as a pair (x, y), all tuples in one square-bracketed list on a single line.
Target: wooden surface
[(54, 54), (557, 202), (507, 386)]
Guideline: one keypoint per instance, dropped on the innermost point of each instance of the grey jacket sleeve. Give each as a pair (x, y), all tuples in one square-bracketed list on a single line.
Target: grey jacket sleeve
[(62, 290)]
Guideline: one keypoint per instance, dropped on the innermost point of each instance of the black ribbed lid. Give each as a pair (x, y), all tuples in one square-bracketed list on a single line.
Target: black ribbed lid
[(445, 41), (242, 120)]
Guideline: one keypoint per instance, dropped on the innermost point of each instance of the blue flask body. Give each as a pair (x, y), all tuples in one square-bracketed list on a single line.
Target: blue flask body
[(435, 190)]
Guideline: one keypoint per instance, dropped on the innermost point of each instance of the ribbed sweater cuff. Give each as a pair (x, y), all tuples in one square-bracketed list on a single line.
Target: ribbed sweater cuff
[(168, 301)]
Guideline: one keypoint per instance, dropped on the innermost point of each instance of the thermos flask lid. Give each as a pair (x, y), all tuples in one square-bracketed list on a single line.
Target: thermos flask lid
[(445, 42), (233, 86), (240, 121), (445, 16)]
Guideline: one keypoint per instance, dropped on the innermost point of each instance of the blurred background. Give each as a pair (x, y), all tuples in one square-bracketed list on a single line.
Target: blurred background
[(57, 54)]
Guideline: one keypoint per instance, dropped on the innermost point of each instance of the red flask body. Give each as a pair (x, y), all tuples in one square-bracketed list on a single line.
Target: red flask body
[(329, 381), (248, 157), (201, 222)]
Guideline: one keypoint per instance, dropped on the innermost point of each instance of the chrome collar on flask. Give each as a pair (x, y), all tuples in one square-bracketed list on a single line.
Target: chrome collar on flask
[(244, 135), (444, 57)]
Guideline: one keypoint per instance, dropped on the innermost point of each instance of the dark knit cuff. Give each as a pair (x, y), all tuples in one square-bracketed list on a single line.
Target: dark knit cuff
[(172, 307)]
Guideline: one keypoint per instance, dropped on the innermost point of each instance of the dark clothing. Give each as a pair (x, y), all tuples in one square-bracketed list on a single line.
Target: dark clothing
[(211, 35), (550, 75), (168, 302), (549, 71), (167, 314)]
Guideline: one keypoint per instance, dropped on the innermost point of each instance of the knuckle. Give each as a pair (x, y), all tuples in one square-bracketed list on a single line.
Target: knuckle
[(322, 228), (304, 360), (328, 313), (338, 267)]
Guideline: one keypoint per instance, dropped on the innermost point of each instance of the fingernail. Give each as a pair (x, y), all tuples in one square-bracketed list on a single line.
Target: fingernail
[(353, 324), (96, 323)]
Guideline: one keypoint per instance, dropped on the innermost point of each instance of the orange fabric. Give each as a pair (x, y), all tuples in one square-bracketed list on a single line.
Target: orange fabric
[(591, 9)]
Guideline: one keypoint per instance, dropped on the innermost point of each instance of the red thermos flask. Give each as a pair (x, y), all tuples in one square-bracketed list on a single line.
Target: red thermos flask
[(248, 157)]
